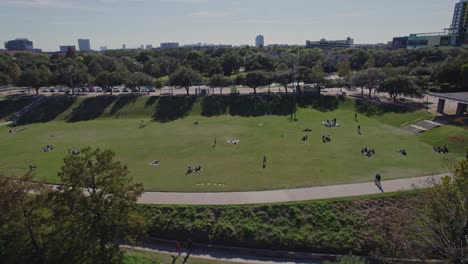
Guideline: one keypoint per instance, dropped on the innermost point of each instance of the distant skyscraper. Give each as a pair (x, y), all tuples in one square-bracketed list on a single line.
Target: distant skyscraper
[(149, 46), (84, 44), (259, 41), (124, 46), (19, 44), (65, 49)]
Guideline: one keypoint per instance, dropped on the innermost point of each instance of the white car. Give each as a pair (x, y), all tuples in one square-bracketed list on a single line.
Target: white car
[(98, 89), (45, 90)]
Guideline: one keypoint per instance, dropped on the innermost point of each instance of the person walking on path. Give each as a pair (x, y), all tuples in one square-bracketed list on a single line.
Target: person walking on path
[(264, 162), (178, 247), (378, 181), (214, 145), (355, 117), (359, 129)]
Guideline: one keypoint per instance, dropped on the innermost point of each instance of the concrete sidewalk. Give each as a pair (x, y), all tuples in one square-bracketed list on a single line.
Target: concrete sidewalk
[(291, 195)]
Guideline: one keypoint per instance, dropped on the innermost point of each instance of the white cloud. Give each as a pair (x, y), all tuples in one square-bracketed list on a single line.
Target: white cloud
[(45, 3)]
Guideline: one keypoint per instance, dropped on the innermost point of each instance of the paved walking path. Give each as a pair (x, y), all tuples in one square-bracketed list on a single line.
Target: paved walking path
[(290, 195)]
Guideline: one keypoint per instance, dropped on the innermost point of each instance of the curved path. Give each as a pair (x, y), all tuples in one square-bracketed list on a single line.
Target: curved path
[(290, 195)]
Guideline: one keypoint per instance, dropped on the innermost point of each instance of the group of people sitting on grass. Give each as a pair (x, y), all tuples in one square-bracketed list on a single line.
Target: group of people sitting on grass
[(331, 123), (47, 148), (12, 131), (326, 138), (368, 152), (441, 150), (196, 169), (196, 123), (154, 163), (403, 152), (305, 138), (234, 141), (32, 167), (307, 130), (74, 152)]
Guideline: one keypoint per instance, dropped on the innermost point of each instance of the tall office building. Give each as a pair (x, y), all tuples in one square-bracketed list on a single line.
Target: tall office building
[(259, 41), (459, 24), (124, 47), (149, 47), (19, 44), (84, 44)]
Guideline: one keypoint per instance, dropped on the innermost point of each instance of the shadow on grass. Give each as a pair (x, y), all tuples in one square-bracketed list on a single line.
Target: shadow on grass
[(12, 104), (170, 108), (122, 101), (91, 108), (48, 111), (151, 101), (373, 108)]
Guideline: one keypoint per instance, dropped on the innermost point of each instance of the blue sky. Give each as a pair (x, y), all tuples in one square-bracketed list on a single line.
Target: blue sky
[(51, 23)]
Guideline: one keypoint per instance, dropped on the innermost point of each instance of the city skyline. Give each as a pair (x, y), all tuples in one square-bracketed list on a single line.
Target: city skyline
[(51, 23)]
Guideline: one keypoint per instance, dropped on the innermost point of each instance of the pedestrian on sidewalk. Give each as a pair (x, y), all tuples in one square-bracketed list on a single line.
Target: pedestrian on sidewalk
[(178, 246), (378, 181)]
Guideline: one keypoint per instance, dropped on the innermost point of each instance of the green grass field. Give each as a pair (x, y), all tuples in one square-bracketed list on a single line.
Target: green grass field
[(290, 161)]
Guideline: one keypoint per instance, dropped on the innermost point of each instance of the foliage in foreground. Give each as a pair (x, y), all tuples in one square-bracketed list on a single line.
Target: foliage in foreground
[(81, 222)]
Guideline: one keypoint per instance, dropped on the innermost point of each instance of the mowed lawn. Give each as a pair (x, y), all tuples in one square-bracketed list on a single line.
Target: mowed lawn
[(291, 162)]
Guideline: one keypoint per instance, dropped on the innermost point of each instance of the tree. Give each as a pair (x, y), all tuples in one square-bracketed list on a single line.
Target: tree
[(30, 78), (97, 201), (369, 78), (14, 72), (4, 79), (103, 80), (358, 59), (257, 79), (138, 79), (285, 78), (399, 85), (221, 81), (344, 68), (185, 77), (231, 63), (316, 75), (443, 222)]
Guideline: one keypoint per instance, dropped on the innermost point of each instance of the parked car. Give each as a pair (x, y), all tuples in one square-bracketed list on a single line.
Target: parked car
[(52, 90), (126, 90), (116, 90), (45, 90), (61, 90), (98, 89), (134, 90), (91, 89), (152, 90)]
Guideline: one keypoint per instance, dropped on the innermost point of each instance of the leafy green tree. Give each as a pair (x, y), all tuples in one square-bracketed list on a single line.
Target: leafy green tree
[(443, 222), (358, 59), (344, 68), (231, 63), (103, 80), (14, 72), (316, 75), (4, 79), (239, 80), (30, 78), (138, 79), (399, 85), (257, 79), (310, 57), (369, 78), (220, 81), (96, 201), (185, 77), (285, 78)]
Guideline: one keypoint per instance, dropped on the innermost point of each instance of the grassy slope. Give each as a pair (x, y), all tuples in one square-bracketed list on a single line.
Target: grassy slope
[(363, 226), (144, 257), (291, 162)]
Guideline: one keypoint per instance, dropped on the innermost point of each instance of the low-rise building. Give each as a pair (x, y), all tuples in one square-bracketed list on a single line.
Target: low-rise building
[(330, 44), (65, 49), (19, 44), (169, 45)]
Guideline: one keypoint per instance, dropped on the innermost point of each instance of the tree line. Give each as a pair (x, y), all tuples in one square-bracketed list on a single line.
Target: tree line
[(397, 72)]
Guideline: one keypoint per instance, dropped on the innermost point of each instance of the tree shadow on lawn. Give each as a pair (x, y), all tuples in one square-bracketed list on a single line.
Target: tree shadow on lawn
[(48, 111), (91, 108), (151, 101), (13, 104), (170, 108), (122, 101), (373, 108)]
